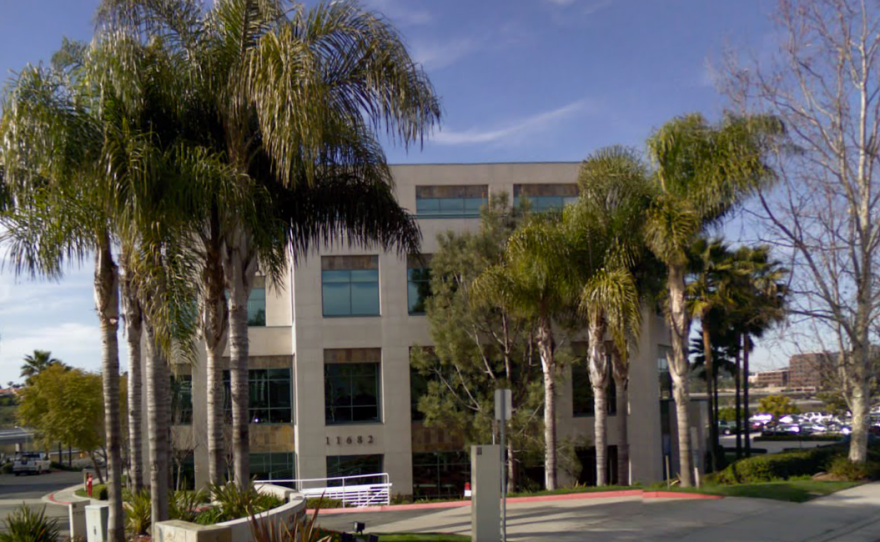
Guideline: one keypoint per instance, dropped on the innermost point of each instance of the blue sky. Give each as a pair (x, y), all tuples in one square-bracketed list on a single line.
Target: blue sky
[(520, 80)]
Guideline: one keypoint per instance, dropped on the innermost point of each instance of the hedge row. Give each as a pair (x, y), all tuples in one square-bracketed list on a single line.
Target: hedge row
[(784, 465), (797, 438)]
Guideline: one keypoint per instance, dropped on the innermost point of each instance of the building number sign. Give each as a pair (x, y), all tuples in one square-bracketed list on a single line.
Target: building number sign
[(341, 441)]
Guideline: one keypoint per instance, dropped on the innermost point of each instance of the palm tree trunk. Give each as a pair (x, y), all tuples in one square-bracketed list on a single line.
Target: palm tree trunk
[(215, 325), (239, 265), (738, 405), (545, 346), (620, 371), (107, 304), (745, 391), (599, 382), (133, 332), (679, 368), (622, 385), (713, 422), (511, 470), (159, 420)]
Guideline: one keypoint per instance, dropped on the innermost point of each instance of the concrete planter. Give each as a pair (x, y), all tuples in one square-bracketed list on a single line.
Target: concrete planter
[(237, 530)]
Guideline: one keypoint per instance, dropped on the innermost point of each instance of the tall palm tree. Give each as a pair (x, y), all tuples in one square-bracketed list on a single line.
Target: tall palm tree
[(760, 294), (299, 96), (84, 170), (133, 333), (702, 171), (36, 363), (535, 281), (52, 155), (614, 195), (712, 271)]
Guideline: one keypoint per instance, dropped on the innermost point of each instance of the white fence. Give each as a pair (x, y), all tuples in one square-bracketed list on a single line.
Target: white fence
[(352, 491)]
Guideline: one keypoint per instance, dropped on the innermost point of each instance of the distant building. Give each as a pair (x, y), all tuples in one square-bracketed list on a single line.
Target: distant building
[(808, 370), (772, 379)]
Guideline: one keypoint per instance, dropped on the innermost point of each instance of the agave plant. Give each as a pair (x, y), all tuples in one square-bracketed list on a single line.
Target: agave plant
[(26, 524)]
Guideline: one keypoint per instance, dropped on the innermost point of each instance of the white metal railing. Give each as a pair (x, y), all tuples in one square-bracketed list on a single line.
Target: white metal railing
[(352, 491)]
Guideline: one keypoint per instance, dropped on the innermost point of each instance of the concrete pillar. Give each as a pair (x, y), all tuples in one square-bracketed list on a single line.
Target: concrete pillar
[(486, 496)]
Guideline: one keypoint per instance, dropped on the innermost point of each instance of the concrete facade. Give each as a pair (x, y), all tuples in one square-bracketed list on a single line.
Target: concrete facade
[(298, 336)]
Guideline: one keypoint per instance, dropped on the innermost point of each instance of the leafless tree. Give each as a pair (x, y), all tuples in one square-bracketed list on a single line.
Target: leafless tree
[(824, 84)]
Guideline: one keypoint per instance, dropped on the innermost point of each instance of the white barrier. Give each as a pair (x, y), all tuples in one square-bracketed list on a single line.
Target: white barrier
[(350, 490)]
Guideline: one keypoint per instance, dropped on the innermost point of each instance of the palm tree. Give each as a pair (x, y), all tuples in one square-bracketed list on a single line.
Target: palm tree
[(36, 363), (711, 271), (702, 171), (760, 294), (133, 332), (52, 155), (299, 96), (85, 177), (614, 196), (535, 282)]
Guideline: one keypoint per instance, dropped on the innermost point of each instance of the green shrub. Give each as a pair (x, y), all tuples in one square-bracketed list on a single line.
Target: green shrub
[(185, 504), (138, 512), (841, 467), (100, 492), (780, 466), (25, 524), (231, 502), (314, 503)]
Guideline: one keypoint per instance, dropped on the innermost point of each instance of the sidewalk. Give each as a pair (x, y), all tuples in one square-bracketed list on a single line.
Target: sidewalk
[(65, 496), (848, 516)]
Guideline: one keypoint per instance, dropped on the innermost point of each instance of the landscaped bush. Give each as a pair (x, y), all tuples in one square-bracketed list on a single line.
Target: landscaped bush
[(25, 524), (314, 503), (302, 531), (230, 503), (100, 492), (797, 438), (842, 468), (138, 512), (186, 505), (780, 466)]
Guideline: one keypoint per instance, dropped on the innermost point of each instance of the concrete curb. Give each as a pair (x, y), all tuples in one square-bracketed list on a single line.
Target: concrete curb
[(539, 498), (54, 497)]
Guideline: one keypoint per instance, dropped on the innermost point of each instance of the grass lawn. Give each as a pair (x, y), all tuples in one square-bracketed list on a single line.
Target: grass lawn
[(430, 537), (572, 490), (785, 490)]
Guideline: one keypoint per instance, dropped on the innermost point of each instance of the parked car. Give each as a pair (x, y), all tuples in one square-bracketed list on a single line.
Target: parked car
[(31, 463), (726, 427)]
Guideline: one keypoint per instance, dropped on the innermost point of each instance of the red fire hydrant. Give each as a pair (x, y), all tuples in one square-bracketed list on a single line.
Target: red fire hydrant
[(89, 484)]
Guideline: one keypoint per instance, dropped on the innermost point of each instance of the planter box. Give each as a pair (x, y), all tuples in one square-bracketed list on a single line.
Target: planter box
[(237, 530)]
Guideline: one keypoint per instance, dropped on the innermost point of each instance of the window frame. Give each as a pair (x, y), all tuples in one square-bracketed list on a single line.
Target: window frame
[(227, 399), (351, 388)]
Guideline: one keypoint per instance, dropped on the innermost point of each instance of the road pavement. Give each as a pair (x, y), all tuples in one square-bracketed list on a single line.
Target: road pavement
[(18, 490)]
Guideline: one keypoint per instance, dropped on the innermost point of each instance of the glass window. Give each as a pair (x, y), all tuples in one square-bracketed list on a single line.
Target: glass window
[(181, 400), (183, 469), (545, 197), (354, 465), (418, 289), (270, 396), (418, 386), (450, 201), (440, 475), (273, 466), (582, 391), (256, 307), (351, 393), (663, 371), (351, 292)]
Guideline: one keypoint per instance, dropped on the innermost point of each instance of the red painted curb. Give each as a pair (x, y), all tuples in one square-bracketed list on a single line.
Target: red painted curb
[(540, 498), (678, 495), (52, 499)]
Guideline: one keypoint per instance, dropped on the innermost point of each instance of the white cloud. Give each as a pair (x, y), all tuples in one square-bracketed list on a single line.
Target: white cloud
[(528, 125), (437, 55), (74, 343)]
